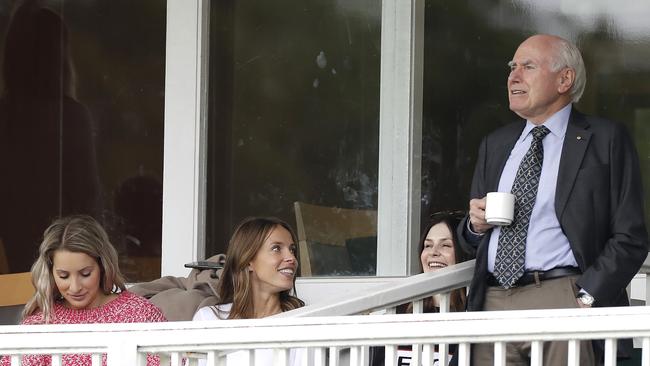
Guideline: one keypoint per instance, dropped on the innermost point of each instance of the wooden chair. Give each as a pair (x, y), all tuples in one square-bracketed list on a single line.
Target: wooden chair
[(15, 290), (336, 241)]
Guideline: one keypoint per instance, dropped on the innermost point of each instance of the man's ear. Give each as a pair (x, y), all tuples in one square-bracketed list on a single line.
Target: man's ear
[(567, 79)]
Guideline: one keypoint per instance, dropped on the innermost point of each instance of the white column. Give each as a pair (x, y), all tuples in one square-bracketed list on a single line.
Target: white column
[(400, 136), (186, 83)]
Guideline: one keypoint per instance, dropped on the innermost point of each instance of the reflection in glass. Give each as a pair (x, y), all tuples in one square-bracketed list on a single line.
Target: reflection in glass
[(467, 46), (294, 109), (80, 126)]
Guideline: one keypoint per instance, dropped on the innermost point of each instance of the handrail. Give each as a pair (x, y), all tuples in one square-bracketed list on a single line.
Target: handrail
[(127, 344), (384, 296), (319, 328), (398, 292)]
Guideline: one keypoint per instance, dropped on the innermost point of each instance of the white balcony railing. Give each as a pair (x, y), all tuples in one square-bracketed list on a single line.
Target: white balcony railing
[(326, 328), (128, 344)]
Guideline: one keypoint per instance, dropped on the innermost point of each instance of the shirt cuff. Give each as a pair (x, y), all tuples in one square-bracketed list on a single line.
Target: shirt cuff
[(470, 234), (469, 228)]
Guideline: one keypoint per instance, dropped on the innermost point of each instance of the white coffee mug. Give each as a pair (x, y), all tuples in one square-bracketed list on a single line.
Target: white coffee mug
[(499, 208)]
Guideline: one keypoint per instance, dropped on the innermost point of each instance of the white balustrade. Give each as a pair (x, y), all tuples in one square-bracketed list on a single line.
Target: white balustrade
[(327, 329), (128, 344)]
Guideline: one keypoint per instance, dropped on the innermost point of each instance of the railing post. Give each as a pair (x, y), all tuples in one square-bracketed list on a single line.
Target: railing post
[(359, 356), (464, 354), (416, 354), (536, 353), (96, 359), (319, 356), (122, 351), (211, 358), (610, 352), (334, 356), (444, 301), (499, 353), (574, 352), (418, 307), (427, 354), (281, 357), (443, 354), (251, 357), (176, 359), (390, 355), (143, 358), (222, 359)]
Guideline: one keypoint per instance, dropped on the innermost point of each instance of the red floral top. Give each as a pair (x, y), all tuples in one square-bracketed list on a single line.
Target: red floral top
[(126, 308)]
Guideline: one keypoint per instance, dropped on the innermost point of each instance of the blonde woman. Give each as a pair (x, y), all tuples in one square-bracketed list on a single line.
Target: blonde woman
[(78, 281)]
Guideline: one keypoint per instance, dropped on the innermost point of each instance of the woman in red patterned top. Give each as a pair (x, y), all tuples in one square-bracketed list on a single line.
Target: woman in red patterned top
[(78, 281)]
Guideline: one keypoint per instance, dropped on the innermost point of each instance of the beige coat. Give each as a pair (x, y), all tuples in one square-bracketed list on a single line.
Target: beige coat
[(180, 297)]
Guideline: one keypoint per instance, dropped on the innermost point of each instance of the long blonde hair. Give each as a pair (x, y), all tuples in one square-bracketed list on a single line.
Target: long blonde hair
[(77, 234), (235, 283)]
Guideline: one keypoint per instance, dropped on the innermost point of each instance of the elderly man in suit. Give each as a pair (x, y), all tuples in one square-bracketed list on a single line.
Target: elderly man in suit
[(578, 234)]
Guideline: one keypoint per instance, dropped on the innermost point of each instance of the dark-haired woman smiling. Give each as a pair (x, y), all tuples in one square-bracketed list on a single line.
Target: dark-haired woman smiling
[(439, 248)]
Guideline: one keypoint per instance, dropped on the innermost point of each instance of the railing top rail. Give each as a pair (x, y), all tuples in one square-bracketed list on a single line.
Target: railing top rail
[(391, 294)]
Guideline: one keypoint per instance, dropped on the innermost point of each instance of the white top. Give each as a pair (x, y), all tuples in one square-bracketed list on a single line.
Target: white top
[(263, 357)]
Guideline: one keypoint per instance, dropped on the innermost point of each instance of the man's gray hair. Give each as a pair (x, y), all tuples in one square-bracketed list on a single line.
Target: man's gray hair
[(568, 55)]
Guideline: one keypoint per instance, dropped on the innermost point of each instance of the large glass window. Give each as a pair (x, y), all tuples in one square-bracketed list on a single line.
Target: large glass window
[(294, 125), (81, 125), (467, 46)]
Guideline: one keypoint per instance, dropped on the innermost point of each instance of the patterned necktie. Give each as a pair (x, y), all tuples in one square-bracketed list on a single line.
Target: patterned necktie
[(511, 251)]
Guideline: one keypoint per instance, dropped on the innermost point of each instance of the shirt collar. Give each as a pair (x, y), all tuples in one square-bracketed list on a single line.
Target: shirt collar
[(557, 123)]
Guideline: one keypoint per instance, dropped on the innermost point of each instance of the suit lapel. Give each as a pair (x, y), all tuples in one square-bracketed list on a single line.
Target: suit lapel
[(500, 155), (575, 144)]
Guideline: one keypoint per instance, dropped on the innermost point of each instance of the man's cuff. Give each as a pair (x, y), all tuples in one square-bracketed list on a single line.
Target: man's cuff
[(470, 234), (470, 231)]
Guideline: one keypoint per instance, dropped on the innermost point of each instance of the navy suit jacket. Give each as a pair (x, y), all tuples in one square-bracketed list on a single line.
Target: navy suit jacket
[(598, 202)]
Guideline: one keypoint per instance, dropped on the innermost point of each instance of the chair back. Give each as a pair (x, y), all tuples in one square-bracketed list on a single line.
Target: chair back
[(15, 290), (336, 241)]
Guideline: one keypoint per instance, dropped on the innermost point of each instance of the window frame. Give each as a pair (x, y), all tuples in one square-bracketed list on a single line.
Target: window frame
[(400, 142)]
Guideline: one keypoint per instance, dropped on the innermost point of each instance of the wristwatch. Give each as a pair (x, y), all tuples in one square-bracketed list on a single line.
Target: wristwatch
[(586, 299)]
